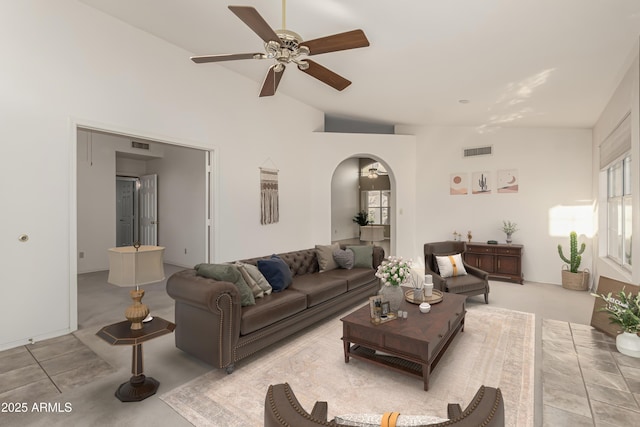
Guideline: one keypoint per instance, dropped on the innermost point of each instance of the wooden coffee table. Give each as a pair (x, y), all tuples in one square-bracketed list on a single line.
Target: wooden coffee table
[(413, 345)]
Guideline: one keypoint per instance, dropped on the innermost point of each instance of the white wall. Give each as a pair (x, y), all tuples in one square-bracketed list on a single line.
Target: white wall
[(96, 195), (344, 200), (181, 204), (625, 99), (554, 170), (94, 71)]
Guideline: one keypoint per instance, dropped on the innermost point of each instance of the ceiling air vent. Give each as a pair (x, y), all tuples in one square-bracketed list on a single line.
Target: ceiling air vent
[(478, 151), (140, 145)]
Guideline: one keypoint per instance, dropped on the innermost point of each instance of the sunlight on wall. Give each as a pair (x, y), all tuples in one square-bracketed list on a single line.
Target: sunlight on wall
[(514, 94), (564, 219)]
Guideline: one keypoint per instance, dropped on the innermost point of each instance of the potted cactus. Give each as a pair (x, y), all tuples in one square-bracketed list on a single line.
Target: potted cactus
[(572, 278)]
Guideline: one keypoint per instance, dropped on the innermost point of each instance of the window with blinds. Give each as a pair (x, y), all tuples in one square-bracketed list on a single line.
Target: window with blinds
[(615, 159)]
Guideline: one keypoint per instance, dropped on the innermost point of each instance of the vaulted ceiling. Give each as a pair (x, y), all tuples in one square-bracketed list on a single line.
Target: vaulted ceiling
[(511, 63)]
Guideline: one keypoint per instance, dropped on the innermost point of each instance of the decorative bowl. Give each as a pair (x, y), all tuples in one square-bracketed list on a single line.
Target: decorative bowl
[(425, 307)]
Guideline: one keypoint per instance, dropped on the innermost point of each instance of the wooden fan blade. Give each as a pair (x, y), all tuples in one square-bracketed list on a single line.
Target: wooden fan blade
[(225, 57), (343, 41), (271, 81), (256, 22), (325, 75)]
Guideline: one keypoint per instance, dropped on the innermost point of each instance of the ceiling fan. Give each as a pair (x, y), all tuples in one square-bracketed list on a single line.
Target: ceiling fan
[(285, 47)]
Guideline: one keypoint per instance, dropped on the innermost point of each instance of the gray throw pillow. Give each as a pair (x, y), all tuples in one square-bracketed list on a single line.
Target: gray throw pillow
[(325, 256), (363, 256), (344, 258), (228, 273)]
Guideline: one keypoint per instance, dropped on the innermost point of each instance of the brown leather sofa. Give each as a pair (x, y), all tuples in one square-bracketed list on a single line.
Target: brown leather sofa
[(212, 326), (281, 408), (475, 282)]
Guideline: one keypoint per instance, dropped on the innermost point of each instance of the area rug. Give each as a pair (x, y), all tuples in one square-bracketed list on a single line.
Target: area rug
[(496, 349)]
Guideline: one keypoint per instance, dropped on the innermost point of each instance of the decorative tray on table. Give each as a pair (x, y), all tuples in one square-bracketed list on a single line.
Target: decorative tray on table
[(433, 299)]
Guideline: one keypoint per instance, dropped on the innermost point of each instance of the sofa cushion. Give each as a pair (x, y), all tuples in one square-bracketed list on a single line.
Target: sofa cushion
[(344, 258), (319, 287), (271, 309), (466, 283), (325, 257), (258, 277), (356, 277), (363, 256), (227, 273), (450, 265), (276, 271)]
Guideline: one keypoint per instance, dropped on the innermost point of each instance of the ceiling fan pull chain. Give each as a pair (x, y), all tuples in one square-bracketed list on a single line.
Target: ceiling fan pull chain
[(284, 14)]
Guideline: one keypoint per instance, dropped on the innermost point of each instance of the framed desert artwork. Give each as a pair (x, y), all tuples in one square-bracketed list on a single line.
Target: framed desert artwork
[(508, 181), (458, 184), (481, 183)]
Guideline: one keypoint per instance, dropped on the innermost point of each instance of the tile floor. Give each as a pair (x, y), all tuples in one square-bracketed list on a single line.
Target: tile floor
[(585, 380), (44, 370)]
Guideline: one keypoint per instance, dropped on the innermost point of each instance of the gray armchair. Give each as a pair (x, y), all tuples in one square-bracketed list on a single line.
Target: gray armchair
[(475, 282)]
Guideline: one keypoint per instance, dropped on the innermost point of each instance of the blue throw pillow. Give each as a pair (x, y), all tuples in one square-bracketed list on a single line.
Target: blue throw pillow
[(277, 272)]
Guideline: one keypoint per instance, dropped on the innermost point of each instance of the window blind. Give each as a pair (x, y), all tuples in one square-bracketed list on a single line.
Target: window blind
[(617, 143)]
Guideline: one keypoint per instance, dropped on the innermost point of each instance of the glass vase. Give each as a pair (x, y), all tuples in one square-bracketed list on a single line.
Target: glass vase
[(393, 294)]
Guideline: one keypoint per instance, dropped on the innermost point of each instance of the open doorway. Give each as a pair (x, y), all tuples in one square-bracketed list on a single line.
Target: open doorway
[(132, 189), (361, 184), (127, 223), (137, 210)]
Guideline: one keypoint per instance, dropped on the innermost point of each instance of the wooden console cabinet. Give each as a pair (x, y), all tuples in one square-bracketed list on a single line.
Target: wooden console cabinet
[(502, 262)]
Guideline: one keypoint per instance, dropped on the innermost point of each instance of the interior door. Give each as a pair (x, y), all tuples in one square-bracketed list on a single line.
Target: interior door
[(148, 197), (125, 211)]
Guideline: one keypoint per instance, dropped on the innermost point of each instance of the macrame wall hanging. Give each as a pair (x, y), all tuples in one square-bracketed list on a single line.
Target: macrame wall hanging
[(269, 206)]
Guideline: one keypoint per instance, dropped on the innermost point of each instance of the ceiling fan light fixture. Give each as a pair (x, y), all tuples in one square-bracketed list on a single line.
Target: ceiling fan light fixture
[(272, 48), (302, 65), (373, 173)]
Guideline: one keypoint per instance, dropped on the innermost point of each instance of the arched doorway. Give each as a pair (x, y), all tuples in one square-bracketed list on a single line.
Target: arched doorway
[(362, 183)]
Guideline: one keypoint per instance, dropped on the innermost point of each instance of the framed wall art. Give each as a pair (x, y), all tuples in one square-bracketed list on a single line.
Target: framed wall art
[(508, 181), (481, 183), (458, 184)]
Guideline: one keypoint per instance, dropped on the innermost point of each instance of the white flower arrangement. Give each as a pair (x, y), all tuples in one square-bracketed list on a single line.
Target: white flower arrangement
[(394, 271)]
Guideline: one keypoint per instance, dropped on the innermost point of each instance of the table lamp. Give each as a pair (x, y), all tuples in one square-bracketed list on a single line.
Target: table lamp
[(136, 266), (372, 233)]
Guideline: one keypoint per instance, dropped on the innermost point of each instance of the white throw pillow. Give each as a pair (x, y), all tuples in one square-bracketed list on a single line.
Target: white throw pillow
[(373, 420), (258, 292), (258, 277), (451, 265)]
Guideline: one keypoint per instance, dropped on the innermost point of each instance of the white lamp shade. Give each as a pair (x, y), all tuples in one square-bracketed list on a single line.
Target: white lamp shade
[(128, 267), (372, 233)]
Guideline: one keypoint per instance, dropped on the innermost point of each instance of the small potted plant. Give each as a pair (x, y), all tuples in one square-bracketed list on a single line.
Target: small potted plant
[(362, 218), (509, 228), (572, 277), (624, 310)]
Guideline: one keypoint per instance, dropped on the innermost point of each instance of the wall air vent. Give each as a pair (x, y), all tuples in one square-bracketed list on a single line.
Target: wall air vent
[(478, 151), (140, 145)]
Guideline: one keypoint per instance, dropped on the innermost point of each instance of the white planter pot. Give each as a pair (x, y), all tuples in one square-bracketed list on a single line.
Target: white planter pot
[(629, 344)]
